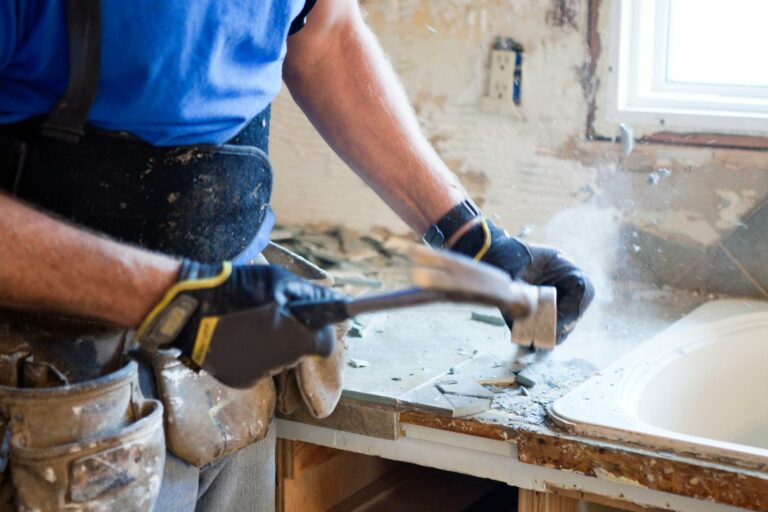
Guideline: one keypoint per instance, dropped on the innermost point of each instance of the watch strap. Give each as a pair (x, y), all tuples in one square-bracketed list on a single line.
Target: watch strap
[(450, 223)]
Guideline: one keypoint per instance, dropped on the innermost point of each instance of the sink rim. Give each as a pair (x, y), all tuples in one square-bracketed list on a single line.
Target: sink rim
[(635, 379), (596, 408)]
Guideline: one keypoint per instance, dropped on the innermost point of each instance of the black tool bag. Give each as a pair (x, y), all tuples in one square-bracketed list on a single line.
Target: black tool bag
[(204, 202)]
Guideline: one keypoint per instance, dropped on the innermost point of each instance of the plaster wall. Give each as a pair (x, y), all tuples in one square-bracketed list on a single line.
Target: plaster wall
[(535, 172)]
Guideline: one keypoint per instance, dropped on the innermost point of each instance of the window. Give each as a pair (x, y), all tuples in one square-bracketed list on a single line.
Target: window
[(694, 64)]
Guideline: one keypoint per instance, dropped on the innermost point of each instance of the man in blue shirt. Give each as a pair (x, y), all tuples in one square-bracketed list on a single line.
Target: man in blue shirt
[(133, 166)]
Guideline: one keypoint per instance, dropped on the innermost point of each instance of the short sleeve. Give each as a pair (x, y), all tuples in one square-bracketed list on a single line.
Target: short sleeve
[(8, 31), (301, 20)]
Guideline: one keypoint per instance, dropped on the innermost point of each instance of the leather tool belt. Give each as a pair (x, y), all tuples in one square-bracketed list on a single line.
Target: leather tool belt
[(96, 445), (315, 381)]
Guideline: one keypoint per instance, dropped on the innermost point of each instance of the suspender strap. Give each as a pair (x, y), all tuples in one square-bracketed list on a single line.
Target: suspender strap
[(67, 119), (301, 20)]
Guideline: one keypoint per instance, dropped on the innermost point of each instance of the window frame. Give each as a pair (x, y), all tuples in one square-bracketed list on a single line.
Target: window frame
[(639, 94)]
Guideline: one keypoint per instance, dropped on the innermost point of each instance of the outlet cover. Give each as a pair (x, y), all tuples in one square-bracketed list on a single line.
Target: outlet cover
[(504, 81)]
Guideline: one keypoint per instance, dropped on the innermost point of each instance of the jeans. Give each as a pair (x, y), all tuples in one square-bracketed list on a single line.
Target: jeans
[(241, 482)]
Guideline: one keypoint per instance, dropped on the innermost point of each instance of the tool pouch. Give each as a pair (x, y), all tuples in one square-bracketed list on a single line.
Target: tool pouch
[(315, 381), (206, 420), (96, 445)]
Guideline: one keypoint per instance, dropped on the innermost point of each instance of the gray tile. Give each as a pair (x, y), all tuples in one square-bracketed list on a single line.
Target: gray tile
[(666, 259), (718, 273), (749, 245)]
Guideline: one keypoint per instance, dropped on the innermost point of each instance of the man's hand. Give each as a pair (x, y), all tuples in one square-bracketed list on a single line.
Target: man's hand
[(232, 320), (534, 264)]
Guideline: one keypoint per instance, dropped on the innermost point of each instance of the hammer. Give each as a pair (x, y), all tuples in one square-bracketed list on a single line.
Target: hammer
[(438, 276)]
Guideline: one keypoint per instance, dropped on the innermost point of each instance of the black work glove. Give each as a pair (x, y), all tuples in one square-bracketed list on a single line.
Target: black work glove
[(535, 264), (233, 321)]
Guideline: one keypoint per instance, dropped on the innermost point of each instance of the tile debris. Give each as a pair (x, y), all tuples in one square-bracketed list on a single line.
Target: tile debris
[(355, 260), (499, 381), (464, 388), (526, 379)]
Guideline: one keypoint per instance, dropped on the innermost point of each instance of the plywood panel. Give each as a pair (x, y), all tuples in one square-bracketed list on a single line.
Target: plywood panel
[(313, 478), (534, 501)]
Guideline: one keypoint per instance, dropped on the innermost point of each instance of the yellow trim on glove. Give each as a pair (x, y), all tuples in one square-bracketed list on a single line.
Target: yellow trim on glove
[(203, 339), (183, 286), (486, 243)]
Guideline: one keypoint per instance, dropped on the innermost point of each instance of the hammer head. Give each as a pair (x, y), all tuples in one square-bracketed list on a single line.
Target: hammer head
[(539, 329), (533, 309)]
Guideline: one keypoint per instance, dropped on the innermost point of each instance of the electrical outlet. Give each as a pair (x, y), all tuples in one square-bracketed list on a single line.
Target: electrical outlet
[(504, 78), (501, 82)]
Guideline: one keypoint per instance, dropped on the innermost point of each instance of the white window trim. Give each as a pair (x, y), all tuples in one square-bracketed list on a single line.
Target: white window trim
[(639, 94)]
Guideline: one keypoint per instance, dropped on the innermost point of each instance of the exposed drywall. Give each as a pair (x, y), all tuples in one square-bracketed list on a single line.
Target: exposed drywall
[(529, 169)]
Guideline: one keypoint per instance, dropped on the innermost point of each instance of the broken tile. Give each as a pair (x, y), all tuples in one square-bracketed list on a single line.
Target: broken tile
[(358, 363), (464, 388), (499, 381), (467, 405), (427, 398), (525, 378), (355, 332)]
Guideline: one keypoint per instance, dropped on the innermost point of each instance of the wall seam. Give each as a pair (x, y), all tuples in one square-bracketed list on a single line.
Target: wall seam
[(743, 270)]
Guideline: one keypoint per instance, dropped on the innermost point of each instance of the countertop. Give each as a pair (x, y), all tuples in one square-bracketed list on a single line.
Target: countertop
[(400, 355)]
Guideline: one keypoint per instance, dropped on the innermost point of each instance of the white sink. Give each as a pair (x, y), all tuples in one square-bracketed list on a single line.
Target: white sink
[(701, 386)]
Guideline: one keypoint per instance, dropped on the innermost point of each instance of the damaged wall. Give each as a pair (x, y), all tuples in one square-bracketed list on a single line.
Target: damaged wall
[(535, 172)]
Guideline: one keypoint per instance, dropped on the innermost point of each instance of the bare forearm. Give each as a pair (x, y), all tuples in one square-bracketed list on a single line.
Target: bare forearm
[(354, 99), (49, 265)]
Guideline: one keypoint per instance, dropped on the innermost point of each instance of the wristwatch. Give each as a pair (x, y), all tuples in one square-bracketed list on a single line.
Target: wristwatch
[(450, 223)]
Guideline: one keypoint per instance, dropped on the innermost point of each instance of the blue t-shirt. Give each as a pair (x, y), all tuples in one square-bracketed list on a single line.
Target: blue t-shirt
[(173, 72)]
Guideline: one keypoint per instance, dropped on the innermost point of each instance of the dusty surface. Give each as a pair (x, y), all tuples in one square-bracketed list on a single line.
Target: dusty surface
[(411, 348), (410, 351), (393, 354)]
